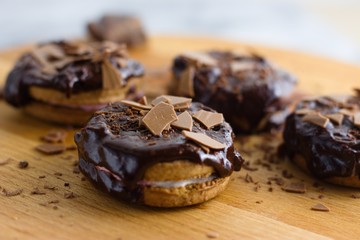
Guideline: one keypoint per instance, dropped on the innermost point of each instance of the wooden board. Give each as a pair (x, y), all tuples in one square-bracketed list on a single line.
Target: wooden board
[(240, 212)]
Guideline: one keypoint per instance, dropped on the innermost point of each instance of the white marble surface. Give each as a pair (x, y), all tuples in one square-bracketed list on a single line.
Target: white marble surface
[(279, 23)]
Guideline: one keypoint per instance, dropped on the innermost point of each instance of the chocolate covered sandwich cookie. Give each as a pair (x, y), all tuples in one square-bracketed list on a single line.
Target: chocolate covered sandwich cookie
[(323, 137), (65, 82), (251, 92), (169, 153), (118, 28)]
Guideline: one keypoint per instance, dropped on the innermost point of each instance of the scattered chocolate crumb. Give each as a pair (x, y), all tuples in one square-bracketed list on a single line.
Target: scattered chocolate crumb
[(55, 207), (53, 201), (71, 147), (58, 174), (259, 202), (270, 189), (320, 207), (54, 136), (247, 167), (50, 187), (278, 180), (83, 178), (248, 179), (37, 191), (66, 184), (287, 174), (355, 196), (42, 176), (212, 234), (69, 195), (43, 204), (321, 196), (50, 148), (257, 187), (76, 170), (267, 166), (12, 193), (23, 164), (298, 187)]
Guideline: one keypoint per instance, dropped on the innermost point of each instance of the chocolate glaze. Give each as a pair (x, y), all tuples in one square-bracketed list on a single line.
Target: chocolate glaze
[(115, 152), (333, 151), (245, 98), (82, 74)]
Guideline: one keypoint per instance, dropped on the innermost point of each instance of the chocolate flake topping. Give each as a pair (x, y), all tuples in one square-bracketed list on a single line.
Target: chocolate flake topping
[(305, 111), (184, 121), (203, 140), (112, 78), (320, 207), (200, 58), (158, 118), (357, 119), (54, 136), (209, 119), (336, 118), (136, 105), (316, 119)]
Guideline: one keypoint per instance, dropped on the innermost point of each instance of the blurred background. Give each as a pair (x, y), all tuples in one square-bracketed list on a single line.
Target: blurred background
[(323, 27)]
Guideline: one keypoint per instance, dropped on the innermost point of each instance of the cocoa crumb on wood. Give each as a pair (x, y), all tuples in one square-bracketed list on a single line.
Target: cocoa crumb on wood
[(69, 195), (11, 193), (23, 164), (298, 187), (50, 149), (320, 207), (37, 191)]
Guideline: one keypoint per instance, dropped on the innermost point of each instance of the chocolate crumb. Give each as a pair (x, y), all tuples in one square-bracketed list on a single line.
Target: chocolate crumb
[(295, 187), (270, 189), (257, 187), (355, 196), (53, 201), (83, 178), (212, 234), (55, 207), (23, 164), (50, 187), (50, 149), (76, 170), (287, 174), (247, 167), (259, 202), (58, 174), (42, 176), (12, 193), (321, 196), (278, 180), (37, 191), (54, 136), (320, 207), (248, 179), (66, 184), (69, 195)]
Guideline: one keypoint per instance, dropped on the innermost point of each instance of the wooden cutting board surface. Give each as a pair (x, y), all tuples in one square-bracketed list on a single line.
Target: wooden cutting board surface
[(245, 210)]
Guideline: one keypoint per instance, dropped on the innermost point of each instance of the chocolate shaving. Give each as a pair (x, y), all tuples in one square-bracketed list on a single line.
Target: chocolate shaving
[(203, 139), (346, 112), (4, 162), (336, 118), (316, 119), (69, 195), (295, 187), (278, 180), (355, 196), (184, 121), (320, 207), (159, 117), (136, 105), (239, 66), (12, 193), (54, 136), (186, 82), (248, 179), (179, 102), (50, 148), (357, 119), (200, 58), (209, 119), (50, 187), (305, 111), (287, 174), (160, 99), (143, 100), (112, 78)]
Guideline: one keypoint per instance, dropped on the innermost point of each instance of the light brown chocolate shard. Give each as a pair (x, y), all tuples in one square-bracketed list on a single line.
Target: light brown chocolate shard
[(186, 82), (295, 187), (203, 140), (136, 105), (111, 77), (209, 119), (160, 99), (200, 58), (51, 148), (320, 207), (237, 66), (338, 98), (184, 121), (316, 119), (179, 102), (143, 100), (346, 112), (159, 117), (357, 119), (336, 118), (304, 111)]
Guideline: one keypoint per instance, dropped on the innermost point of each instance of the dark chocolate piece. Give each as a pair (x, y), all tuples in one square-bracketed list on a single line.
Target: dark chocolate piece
[(115, 150), (298, 187), (252, 94), (320, 207), (23, 164), (50, 148), (69, 68), (331, 151), (120, 29)]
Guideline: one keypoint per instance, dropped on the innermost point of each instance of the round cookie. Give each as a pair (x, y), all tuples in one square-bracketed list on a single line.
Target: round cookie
[(171, 153), (322, 137), (65, 83), (252, 94)]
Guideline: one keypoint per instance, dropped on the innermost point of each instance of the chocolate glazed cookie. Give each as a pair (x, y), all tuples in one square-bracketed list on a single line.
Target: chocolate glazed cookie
[(65, 82), (157, 154), (323, 137), (252, 94)]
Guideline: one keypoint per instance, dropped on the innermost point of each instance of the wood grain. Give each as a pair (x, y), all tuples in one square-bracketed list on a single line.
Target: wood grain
[(240, 212)]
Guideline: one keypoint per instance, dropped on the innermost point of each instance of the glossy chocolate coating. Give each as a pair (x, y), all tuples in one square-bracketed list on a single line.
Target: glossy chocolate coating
[(332, 151), (82, 74), (114, 140), (245, 98)]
